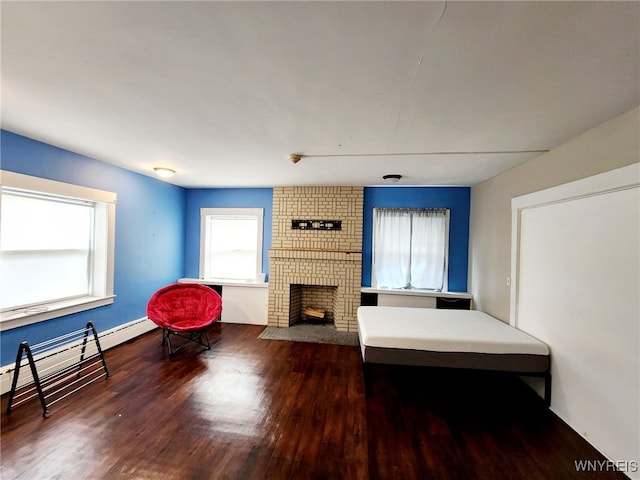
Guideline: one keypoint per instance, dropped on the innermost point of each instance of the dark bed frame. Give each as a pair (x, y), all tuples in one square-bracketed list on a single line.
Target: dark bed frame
[(514, 364)]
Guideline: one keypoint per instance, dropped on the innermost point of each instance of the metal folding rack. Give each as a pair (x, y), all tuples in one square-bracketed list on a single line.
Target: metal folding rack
[(59, 367)]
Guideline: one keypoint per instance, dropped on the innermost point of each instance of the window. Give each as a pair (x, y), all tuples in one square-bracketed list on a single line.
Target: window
[(410, 248), (56, 249), (231, 243)]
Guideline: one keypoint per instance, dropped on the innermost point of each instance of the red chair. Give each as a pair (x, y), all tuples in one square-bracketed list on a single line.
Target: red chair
[(185, 310)]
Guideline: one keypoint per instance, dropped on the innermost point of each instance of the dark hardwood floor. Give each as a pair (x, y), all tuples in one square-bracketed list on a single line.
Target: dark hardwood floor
[(267, 409)]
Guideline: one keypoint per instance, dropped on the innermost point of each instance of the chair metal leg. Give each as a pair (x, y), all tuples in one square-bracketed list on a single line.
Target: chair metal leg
[(200, 337)]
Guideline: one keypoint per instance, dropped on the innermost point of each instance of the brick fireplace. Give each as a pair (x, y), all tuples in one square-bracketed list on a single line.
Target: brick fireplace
[(318, 266)]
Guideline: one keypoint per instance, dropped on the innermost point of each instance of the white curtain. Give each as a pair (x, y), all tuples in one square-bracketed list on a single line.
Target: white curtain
[(410, 248), (392, 251), (428, 249)]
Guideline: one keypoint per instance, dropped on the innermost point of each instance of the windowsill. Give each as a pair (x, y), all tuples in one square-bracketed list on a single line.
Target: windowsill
[(21, 318), (416, 292), (225, 282)]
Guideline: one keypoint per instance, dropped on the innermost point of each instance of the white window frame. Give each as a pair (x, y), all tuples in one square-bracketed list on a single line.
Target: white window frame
[(258, 213), (102, 292), (445, 280)]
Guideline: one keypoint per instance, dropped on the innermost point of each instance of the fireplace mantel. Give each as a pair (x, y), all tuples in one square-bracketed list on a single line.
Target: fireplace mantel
[(315, 254)]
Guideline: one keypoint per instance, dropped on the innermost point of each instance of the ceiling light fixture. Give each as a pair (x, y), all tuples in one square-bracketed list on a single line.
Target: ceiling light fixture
[(392, 177), (164, 172), (295, 157)]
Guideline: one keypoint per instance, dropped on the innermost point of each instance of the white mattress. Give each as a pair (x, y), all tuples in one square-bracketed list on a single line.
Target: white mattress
[(442, 331)]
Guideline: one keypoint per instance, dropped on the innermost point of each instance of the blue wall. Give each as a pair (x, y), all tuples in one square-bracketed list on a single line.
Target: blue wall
[(457, 199), (150, 244), (224, 198)]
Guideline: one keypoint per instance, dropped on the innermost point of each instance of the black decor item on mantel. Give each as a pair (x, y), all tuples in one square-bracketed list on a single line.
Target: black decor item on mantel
[(316, 224)]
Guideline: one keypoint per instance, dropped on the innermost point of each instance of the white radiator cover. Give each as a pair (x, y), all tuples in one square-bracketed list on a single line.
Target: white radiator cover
[(108, 339)]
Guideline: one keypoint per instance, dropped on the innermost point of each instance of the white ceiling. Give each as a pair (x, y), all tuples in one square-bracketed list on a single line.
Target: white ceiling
[(223, 92)]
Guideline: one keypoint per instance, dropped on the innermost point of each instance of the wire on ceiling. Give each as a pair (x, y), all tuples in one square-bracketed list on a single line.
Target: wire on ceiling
[(296, 157)]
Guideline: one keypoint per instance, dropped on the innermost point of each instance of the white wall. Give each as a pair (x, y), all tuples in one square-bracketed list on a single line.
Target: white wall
[(576, 278), (610, 145)]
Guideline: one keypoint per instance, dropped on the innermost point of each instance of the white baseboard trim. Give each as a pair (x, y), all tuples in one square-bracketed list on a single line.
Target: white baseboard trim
[(108, 339)]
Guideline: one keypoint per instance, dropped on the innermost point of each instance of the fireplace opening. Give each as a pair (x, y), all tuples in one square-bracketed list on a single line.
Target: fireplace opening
[(312, 303)]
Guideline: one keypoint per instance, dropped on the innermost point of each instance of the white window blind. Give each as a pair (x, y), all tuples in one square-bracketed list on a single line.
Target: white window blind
[(46, 248)]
